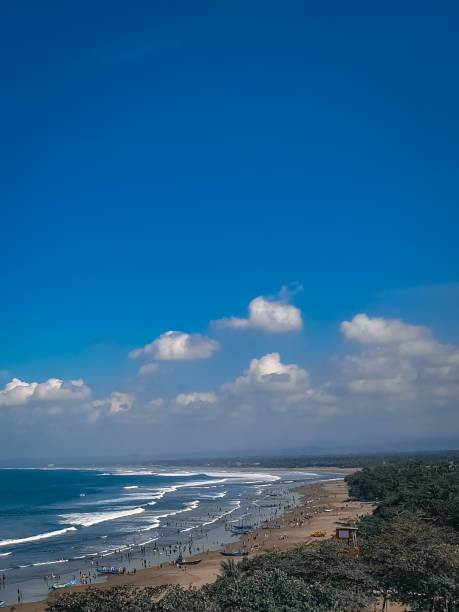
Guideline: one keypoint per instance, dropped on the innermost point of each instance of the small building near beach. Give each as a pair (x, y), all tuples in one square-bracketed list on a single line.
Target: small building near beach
[(345, 532)]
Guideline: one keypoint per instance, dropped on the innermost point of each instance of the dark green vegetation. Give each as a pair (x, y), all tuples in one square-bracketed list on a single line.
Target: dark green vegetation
[(342, 461), (425, 491), (411, 542), (408, 553)]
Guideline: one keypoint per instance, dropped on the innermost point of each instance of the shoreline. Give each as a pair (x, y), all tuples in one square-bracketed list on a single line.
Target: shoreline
[(322, 505)]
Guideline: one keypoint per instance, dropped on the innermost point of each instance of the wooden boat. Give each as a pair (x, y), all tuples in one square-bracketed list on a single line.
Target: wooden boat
[(2, 604), (54, 587), (238, 553), (183, 562)]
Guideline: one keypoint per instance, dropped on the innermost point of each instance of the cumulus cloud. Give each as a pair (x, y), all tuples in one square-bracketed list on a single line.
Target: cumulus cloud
[(269, 374), (401, 360), (185, 399), (116, 403), (269, 315), (397, 384), (201, 406), (387, 331), (18, 392), (268, 386), (148, 368), (175, 345), (281, 385)]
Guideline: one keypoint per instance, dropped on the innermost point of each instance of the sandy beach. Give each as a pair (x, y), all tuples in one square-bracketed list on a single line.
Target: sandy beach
[(323, 505)]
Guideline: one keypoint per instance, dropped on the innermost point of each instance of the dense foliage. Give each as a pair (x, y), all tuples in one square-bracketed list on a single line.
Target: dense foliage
[(342, 461), (410, 489), (408, 553), (411, 542), (318, 580)]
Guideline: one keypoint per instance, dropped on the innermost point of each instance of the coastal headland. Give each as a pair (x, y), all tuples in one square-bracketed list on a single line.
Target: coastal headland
[(323, 505)]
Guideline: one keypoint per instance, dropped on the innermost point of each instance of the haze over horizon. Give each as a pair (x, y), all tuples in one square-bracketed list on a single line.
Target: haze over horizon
[(228, 228)]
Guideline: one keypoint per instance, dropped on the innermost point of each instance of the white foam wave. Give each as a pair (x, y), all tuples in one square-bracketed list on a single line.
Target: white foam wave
[(172, 474), (251, 476), (196, 483), (93, 518), (147, 542), (131, 473), (150, 494), (5, 554), (40, 536), (155, 523), (216, 496), (237, 505), (51, 562), (156, 519), (132, 487)]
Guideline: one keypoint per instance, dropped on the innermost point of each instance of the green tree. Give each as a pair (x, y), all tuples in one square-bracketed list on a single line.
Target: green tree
[(417, 564)]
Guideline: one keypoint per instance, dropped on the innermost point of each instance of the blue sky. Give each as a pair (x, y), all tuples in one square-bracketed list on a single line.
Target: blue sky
[(164, 164)]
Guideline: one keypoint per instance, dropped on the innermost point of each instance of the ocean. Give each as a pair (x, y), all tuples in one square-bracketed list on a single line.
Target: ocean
[(56, 523)]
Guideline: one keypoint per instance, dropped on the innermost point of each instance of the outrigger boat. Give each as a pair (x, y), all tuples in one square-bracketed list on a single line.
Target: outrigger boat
[(54, 587), (2, 604), (110, 570), (242, 529), (238, 553), (181, 561)]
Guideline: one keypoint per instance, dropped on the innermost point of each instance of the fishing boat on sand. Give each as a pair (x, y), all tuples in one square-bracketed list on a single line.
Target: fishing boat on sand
[(238, 553), (241, 529), (181, 561), (54, 587)]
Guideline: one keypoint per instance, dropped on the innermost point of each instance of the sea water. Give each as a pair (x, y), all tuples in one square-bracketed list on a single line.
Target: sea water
[(56, 523)]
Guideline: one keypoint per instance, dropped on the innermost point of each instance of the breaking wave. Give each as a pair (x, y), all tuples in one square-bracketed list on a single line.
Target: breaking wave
[(40, 536), (93, 518)]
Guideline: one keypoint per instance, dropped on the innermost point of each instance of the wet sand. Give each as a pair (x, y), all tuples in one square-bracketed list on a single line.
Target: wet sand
[(323, 505)]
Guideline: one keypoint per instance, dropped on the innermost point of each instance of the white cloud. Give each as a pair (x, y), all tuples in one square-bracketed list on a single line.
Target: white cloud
[(174, 345), (185, 399), (447, 391), (381, 331), (404, 361), (269, 374), (421, 347), (270, 315), (157, 402), (18, 392), (148, 368), (116, 403), (398, 384), (281, 386)]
